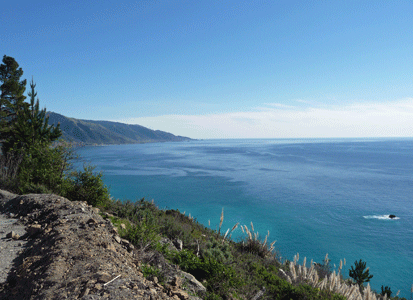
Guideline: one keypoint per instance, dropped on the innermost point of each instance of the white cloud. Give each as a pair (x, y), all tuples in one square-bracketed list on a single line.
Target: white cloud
[(390, 119)]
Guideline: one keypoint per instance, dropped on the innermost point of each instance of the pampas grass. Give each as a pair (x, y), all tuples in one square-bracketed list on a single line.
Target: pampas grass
[(220, 221), (300, 274), (230, 231), (253, 244)]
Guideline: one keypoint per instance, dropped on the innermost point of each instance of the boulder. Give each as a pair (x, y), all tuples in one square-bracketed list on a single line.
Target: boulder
[(192, 283)]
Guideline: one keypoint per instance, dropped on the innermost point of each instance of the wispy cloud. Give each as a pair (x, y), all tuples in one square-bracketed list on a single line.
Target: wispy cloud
[(390, 119)]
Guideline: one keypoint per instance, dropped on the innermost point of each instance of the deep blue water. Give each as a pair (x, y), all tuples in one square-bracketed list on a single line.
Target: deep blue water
[(315, 196)]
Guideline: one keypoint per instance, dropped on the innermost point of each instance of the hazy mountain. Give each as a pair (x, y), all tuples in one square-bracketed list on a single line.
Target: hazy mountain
[(104, 132)]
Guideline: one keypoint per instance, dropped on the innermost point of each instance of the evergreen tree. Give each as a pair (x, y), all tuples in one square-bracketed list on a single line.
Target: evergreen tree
[(11, 94), (385, 290), (359, 273), (30, 127)]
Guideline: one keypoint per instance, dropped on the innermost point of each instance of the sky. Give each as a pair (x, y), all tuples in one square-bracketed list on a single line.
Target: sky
[(221, 69)]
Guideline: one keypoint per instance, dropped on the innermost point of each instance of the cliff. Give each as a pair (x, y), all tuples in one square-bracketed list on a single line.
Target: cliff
[(59, 249)]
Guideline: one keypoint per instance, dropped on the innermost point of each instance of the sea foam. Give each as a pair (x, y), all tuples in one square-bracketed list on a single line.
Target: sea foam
[(381, 217)]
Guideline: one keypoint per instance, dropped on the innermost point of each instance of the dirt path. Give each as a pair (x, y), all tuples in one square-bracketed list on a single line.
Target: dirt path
[(10, 248), (10, 245)]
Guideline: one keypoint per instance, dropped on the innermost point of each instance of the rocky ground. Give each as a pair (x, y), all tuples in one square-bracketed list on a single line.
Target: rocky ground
[(52, 248)]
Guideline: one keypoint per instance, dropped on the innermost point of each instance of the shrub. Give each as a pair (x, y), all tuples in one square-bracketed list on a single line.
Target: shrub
[(152, 272), (143, 234), (42, 168), (87, 186), (218, 277), (218, 250)]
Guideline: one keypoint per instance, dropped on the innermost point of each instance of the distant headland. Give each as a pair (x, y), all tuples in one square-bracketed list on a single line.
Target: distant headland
[(88, 132)]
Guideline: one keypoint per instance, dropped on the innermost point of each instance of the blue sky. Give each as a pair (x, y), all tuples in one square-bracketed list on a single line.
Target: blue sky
[(221, 69)]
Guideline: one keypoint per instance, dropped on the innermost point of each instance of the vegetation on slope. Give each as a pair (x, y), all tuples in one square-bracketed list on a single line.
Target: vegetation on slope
[(104, 132), (245, 269)]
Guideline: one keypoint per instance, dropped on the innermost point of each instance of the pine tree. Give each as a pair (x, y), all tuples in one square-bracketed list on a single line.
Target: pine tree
[(359, 273), (30, 127), (11, 94)]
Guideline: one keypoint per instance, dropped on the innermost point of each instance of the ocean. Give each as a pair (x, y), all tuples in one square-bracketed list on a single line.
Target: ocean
[(315, 196)]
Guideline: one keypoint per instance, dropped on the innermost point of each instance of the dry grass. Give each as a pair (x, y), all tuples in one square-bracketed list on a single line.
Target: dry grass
[(253, 244), (334, 282), (221, 220)]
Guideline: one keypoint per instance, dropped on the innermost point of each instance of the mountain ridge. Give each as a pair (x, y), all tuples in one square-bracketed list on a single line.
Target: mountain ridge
[(90, 132)]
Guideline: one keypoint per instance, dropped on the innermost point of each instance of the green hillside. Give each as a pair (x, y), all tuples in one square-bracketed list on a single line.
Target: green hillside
[(104, 132)]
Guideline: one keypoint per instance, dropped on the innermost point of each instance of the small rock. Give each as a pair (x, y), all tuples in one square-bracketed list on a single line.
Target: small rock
[(181, 294), (177, 281), (158, 285), (178, 244), (34, 229), (153, 291), (117, 239), (98, 286), (103, 276), (85, 292), (91, 221), (110, 247), (123, 226), (130, 247), (125, 242), (13, 235)]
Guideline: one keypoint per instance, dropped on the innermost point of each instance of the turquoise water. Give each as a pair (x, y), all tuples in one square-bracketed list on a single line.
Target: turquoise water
[(314, 196)]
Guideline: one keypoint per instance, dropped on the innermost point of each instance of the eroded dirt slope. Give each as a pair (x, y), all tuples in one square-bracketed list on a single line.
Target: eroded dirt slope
[(70, 252)]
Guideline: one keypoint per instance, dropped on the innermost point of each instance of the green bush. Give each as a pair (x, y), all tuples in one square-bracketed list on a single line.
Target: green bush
[(216, 249), (152, 272), (41, 169), (220, 279), (87, 186), (143, 234)]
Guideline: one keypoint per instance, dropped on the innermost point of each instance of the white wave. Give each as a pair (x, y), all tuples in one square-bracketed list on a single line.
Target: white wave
[(380, 217)]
